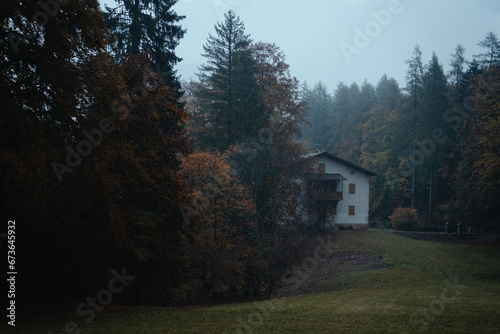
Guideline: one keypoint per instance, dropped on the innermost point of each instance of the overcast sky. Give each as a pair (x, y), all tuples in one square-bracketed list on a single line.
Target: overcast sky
[(344, 40)]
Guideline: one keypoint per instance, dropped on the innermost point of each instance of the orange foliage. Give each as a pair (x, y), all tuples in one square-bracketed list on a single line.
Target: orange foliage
[(219, 220), (404, 219)]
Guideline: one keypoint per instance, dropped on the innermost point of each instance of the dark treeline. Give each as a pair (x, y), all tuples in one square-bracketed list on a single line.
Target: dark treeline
[(434, 142), (108, 161), (96, 160)]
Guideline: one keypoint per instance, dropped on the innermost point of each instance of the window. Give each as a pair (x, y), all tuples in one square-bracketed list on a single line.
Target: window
[(353, 172), (322, 168), (352, 188), (351, 210)]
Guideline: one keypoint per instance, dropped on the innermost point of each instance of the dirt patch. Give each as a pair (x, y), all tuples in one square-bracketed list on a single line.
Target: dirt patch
[(319, 276), (316, 276), (468, 239)]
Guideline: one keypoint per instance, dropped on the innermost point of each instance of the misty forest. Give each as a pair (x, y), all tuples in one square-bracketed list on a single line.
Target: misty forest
[(109, 159)]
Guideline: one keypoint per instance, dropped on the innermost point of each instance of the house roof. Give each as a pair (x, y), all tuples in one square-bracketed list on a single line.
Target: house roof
[(342, 161)]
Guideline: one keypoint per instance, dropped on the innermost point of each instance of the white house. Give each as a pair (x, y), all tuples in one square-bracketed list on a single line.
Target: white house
[(338, 194)]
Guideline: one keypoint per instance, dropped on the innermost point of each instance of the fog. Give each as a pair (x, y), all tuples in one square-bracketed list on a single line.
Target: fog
[(344, 40)]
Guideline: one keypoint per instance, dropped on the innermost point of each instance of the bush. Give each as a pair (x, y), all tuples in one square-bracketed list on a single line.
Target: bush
[(404, 219)]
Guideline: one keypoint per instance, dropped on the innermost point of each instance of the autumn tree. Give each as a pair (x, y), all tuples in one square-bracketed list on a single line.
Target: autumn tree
[(91, 147), (260, 160), (477, 175), (220, 229), (380, 149), (48, 98), (270, 164)]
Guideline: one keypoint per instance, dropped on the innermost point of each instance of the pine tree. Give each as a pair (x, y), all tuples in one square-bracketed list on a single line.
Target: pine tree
[(87, 154), (491, 56), (477, 176), (388, 93), (230, 92), (414, 89), (147, 26), (435, 103), (319, 103), (456, 74), (339, 118), (381, 148)]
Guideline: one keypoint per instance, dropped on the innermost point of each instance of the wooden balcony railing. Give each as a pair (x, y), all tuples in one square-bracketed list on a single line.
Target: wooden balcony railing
[(324, 195)]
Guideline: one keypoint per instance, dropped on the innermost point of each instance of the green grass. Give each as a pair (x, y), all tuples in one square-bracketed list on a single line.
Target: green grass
[(399, 299)]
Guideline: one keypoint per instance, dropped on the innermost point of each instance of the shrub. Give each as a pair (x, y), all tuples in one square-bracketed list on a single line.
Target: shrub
[(404, 219)]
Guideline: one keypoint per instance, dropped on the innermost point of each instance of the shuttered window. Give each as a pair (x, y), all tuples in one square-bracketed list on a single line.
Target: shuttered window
[(322, 168), (351, 210), (352, 188)]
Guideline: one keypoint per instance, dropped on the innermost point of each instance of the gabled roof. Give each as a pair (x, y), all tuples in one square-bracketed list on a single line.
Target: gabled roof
[(342, 161)]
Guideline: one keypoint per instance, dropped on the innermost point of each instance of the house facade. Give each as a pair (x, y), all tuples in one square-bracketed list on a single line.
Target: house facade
[(338, 193)]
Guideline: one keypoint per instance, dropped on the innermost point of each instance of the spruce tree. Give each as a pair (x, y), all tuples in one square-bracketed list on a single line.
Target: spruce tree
[(319, 103), (414, 88), (435, 103), (491, 56), (230, 92), (456, 74), (147, 25)]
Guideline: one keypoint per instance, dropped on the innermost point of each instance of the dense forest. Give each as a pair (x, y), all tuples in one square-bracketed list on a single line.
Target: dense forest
[(107, 160), (434, 142)]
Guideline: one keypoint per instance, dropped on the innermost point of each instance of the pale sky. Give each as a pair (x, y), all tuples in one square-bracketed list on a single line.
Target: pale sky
[(344, 40)]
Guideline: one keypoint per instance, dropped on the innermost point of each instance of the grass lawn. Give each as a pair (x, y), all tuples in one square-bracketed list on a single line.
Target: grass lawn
[(430, 288)]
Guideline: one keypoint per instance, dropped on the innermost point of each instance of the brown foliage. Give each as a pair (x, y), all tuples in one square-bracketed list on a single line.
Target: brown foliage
[(404, 219), (219, 221)]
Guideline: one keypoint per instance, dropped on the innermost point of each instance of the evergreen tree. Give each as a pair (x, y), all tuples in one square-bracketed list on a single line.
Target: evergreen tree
[(414, 89), (269, 174), (382, 147), (339, 118), (456, 74), (435, 103), (319, 103), (87, 156), (147, 26), (491, 56), (229, 91), (388, 93), (367, 96), (477, 176)]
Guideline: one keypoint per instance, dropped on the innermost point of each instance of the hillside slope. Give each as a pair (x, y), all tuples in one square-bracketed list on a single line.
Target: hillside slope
[(370, 282)]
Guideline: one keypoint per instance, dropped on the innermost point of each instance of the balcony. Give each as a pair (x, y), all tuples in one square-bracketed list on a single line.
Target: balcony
[(324, 195)]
